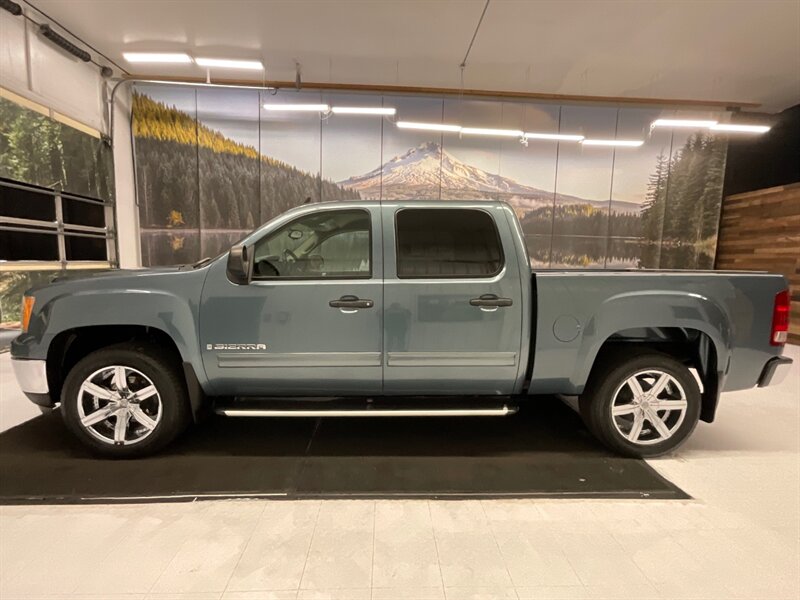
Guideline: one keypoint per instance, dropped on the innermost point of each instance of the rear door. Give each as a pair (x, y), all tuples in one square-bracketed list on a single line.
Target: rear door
[(452, 301)]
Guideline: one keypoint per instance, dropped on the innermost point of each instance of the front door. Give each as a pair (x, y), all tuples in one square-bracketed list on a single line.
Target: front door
[(453, 314), (310, 321)]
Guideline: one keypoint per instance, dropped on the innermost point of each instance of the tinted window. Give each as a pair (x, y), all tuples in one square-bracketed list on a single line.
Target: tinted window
[(26, 204), (448, 242), (85, 248), (327, 244), (77, 212), (19, 245)]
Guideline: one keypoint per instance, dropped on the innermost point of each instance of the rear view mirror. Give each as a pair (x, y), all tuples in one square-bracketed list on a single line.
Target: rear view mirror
[(239, 265)]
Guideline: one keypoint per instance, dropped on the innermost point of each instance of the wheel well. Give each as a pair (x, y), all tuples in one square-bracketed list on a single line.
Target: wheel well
[(70, 346), (691, 347)]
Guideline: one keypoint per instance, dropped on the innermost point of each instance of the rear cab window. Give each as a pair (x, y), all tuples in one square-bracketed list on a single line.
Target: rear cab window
[(447, 243)]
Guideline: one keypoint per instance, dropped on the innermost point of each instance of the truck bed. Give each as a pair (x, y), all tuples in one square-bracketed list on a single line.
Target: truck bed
[(578, 311)]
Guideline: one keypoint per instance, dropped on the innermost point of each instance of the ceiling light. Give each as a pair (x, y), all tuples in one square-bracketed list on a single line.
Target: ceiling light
[(157, 57), (553, 136), (363, 110), (428, 126), (298, 107), (623, 143), (482, 131), (695, 123), (737, 128), (226, 63)]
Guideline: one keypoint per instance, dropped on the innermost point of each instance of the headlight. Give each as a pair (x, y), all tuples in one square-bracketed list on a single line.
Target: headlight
[(27, 309)]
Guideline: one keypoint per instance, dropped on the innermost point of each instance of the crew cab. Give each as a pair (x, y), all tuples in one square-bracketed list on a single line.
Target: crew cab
[(395, 309)]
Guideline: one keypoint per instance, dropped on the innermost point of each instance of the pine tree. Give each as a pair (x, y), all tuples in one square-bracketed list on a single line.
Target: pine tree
[(711, 198), (652, 214)]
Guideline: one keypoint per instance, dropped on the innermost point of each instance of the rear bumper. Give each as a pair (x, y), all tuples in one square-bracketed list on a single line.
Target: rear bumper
[(31, 376), (775, 371)]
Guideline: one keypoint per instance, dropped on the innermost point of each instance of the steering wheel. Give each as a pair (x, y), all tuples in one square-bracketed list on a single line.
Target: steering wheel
[(289, 254), (266, 268)]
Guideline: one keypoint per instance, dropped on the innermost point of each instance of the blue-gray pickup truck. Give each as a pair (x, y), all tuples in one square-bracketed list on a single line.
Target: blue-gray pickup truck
[(395, 309)]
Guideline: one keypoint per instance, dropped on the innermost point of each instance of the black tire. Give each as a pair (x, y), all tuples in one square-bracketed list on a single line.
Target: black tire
[(610, 375), (157, 365)]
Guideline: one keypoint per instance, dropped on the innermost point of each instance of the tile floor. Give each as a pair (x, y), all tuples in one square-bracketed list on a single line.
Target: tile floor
[(738, 538)]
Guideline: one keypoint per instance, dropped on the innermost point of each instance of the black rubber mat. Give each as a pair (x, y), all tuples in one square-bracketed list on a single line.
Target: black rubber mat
[(544, 451)]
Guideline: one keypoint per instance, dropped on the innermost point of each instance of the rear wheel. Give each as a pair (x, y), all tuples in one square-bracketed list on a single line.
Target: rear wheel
[(125, 400), (641, 405)]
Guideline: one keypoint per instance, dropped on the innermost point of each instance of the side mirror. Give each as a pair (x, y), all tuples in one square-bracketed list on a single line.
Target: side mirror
[(239, 265)]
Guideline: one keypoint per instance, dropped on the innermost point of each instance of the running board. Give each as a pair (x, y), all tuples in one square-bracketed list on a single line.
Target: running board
[(251, 407), (373, 412)]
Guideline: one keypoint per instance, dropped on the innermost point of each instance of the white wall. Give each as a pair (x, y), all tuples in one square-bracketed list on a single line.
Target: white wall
[(127, 211), (34, 68)]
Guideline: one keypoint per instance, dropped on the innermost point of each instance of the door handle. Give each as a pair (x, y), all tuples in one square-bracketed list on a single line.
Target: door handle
[(352, 302), (490, 301)]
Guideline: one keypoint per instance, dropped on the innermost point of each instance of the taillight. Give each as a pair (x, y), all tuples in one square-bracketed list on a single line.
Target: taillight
[(27, 309), (780, 319)]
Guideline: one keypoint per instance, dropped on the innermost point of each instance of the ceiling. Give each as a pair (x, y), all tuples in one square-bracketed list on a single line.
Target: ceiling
[(730, 50)]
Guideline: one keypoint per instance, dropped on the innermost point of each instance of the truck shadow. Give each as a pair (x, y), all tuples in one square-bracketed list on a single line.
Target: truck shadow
[(543, 451)]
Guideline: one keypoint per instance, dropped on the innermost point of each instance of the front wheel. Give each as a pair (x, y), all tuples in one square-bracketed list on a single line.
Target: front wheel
[(125, 400), (641, 405)]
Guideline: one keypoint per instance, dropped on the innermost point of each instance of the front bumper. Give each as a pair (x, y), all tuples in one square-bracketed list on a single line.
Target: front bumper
[(775, 371), (32, 378)]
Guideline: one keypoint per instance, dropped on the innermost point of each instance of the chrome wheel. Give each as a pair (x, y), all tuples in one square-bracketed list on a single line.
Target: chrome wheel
[(649, 407), (119, 405)]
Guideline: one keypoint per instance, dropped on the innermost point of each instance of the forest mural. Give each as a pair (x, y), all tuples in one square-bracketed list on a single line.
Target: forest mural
[(211, 165), (179, 160)]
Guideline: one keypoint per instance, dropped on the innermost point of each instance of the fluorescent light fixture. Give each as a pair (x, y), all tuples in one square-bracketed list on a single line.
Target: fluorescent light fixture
[(567, 137), (298, 107), (227, 63), (500, 132), (428, 126), (693, 123), (622, 143), (157, 57), (363, 110), (740, 128)]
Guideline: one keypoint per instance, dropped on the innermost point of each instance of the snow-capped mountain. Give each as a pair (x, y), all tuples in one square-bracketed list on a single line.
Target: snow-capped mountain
[(420, 171)]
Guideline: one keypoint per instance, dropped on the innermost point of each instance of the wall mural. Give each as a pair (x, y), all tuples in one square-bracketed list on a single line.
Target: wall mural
[(212, 164)]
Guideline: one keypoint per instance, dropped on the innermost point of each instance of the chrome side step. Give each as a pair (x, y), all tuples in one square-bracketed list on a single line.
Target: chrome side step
[(371, 412)]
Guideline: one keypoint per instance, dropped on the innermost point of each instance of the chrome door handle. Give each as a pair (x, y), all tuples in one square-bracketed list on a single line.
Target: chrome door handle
[(351, 302), (491, 301)]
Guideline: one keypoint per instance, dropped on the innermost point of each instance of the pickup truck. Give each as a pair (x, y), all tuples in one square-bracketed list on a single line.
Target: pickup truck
[(395, 309)]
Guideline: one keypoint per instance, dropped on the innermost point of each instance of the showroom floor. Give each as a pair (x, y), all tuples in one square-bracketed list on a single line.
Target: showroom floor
[(738, 538)]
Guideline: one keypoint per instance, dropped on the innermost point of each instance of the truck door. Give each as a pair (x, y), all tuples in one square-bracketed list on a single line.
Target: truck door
[(311, 320), (452, 301)]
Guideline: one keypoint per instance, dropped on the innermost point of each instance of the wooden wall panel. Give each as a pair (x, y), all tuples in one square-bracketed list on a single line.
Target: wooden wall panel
[(761, 231)]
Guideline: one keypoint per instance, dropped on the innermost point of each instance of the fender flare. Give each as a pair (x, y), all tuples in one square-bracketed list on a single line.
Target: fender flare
[(651, 309), (156, 309)]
